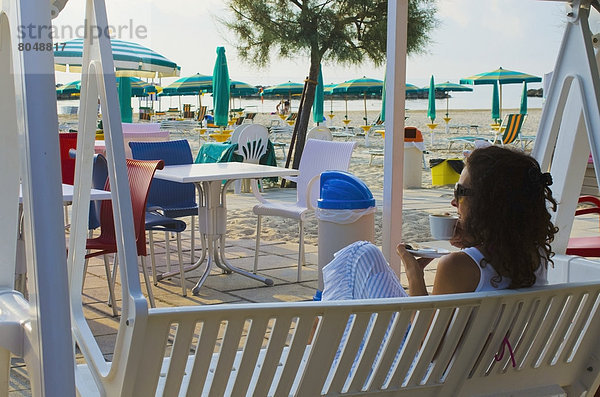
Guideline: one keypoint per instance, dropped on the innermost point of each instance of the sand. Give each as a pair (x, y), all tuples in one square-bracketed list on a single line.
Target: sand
[(242, 222)]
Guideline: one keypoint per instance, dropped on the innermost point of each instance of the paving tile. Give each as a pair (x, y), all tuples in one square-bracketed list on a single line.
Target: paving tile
[(277, 293)]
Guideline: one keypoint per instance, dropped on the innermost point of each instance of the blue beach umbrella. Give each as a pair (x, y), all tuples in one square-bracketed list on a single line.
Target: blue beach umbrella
[(523, 108), (221, 89), (431, 103), (319, 98), (495, 104)]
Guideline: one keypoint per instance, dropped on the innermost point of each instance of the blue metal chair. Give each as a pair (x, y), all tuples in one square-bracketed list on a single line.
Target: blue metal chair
[(99, 176), (155, 221), (174, 199)]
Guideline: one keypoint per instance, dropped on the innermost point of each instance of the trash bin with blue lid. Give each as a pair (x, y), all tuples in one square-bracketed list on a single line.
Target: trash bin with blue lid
[(346, 213)]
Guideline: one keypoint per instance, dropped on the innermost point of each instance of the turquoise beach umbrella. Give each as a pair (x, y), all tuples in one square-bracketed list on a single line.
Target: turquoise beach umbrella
[(131, 59), (382, 114), (523, 109), (73, 87), (319, 98), (431, 106), (191, 85), (239, 88), (124, 89), (450, 87), (363, 86), (221, 89), (501, 76), (495, 104)]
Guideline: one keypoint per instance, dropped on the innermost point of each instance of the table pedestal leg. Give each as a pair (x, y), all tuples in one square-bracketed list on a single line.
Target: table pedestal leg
[(212, 223)]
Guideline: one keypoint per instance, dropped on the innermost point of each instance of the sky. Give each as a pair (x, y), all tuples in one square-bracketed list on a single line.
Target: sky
[(473, 36)]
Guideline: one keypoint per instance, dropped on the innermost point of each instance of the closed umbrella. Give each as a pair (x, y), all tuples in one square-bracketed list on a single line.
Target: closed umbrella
[(523, 108), (501, 76), (319, 98), (124, 90), (431, 107), (221, 89), (495, 104), (431, 104), (382, 114)]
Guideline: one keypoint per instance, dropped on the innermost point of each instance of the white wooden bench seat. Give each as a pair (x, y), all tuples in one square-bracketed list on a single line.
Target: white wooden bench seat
[(450, 349)]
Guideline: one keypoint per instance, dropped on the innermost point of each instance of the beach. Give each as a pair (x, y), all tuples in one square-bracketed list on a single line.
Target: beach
[(242, 222)]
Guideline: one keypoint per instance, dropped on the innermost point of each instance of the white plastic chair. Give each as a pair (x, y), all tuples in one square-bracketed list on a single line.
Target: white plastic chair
[(252, 145), (320, 133), (252, 142), (317, 156), (236, 133)]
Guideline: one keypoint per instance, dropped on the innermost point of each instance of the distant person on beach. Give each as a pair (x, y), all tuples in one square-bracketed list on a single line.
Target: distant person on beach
[(283, 107), (503, 229)]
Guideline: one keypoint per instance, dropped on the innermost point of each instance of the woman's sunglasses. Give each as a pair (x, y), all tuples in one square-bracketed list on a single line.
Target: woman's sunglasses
[(461, 191)]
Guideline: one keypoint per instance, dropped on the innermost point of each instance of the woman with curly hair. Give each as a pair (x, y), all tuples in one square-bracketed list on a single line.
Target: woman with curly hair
[(504, 232), (504, 228)]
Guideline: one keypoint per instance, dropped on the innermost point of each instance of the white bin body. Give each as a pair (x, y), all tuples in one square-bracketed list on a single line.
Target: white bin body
[(334, 236), (413, 168)]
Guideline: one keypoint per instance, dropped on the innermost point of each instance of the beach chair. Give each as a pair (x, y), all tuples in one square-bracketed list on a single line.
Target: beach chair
[(200, 114), (249, 117), (317, 156), (320, 133), (508, 133)]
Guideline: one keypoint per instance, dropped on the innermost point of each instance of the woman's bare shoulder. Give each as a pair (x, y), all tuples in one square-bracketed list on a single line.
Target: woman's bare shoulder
[(456, 272)]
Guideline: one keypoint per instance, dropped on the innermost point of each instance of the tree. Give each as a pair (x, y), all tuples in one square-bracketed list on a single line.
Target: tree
[(340, 31)]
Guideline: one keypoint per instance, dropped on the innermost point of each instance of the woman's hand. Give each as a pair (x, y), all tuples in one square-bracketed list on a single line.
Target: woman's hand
[(459, 239), (414, 270)]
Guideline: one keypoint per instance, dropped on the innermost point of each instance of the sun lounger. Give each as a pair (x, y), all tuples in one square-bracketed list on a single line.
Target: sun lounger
[(466, 127)]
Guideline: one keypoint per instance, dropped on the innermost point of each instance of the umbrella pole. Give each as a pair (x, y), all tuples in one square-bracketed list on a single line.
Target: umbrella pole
[(500, 99), (346, 99), (365, 102)]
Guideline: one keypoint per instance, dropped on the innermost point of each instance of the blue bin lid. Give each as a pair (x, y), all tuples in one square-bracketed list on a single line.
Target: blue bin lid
[(343, 191)]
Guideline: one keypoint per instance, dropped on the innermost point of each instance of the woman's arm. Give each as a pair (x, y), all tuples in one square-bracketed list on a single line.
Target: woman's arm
[(456, 272)]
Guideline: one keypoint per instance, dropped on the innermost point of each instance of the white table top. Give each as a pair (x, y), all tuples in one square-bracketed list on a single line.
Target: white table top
[(207, 172), (67, 191)]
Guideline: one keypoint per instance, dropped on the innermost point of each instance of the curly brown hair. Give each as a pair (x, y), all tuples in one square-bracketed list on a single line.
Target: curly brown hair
[(507, 214)]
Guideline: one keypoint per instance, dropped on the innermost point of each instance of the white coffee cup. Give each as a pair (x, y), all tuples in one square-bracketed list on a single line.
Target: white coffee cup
[(442, 226)]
